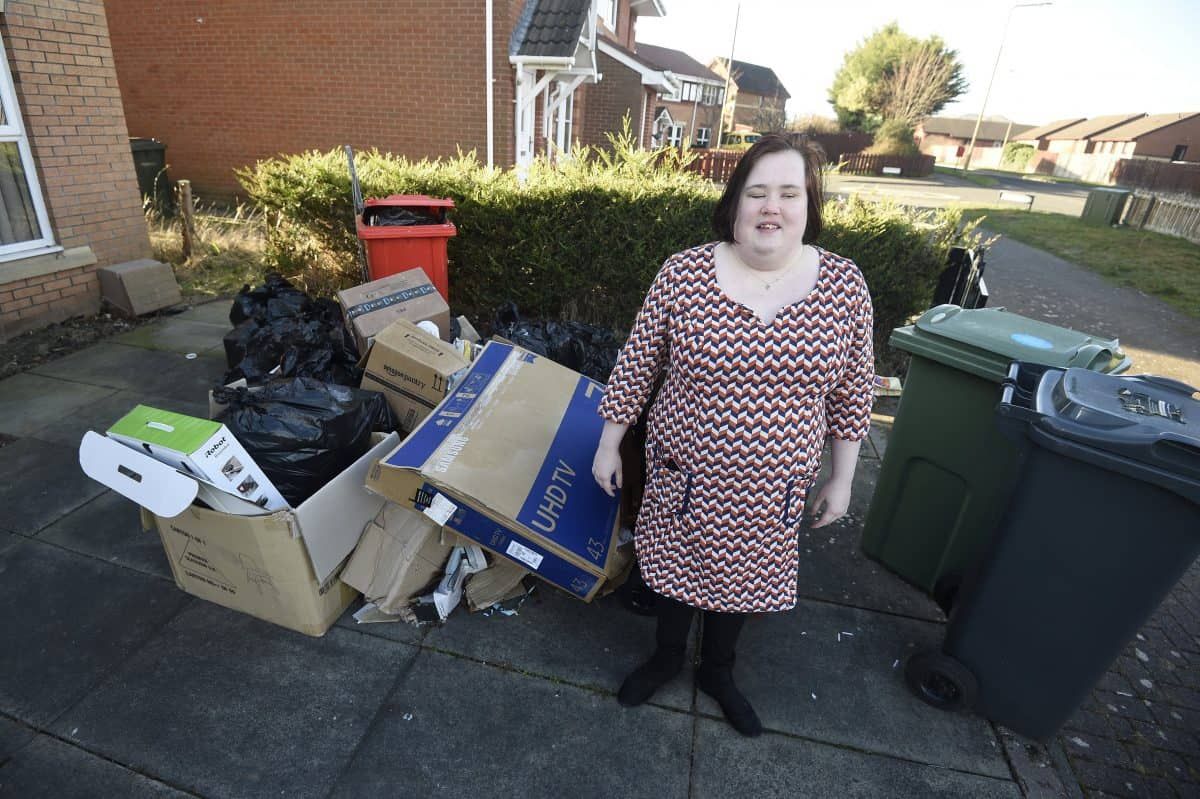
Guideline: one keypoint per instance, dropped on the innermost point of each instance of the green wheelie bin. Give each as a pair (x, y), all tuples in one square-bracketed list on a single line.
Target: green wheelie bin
[(948, 472)]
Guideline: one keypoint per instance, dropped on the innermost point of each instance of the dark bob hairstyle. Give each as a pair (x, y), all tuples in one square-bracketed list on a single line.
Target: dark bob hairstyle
[(725, 213)]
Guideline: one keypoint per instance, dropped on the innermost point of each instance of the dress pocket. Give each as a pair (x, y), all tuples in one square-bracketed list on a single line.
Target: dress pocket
[(794, 496), (672, 487)]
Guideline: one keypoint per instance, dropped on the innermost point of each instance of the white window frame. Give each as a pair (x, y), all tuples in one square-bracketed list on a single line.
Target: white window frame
[(703, 137), (14, 131), (675, 134), (607, 9)]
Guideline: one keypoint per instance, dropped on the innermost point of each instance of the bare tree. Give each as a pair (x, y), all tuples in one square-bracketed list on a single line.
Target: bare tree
[(922, 83)]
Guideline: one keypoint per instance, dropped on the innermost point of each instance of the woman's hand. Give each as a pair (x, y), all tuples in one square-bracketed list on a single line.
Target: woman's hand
[(831, 501), (606, 468)]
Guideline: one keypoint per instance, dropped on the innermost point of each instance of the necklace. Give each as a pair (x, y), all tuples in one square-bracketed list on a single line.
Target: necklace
[(756, 273)]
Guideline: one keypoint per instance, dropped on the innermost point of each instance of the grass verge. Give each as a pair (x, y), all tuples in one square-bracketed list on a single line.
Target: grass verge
[(228, 252), (1163, 266), (970, 177)]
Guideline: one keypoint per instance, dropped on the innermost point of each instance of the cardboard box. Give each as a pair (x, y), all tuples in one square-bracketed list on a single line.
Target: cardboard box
[(399, 555), (139, 287), (280, 567), (200, 447), (371, 307), (505, 460), (411, 369)]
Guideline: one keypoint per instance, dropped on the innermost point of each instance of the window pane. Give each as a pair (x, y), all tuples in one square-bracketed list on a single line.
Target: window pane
[(18, 220)]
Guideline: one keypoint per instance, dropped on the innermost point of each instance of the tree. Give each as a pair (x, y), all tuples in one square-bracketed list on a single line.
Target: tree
[(892, 75)]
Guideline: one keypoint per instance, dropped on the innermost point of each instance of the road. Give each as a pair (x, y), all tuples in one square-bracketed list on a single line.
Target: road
[(942, 190)]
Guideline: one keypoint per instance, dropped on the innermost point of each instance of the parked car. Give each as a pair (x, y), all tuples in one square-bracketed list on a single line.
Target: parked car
[(740, 139)]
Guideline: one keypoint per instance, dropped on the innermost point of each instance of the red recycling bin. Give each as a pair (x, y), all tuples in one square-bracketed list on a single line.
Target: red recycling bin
[(407, 231)]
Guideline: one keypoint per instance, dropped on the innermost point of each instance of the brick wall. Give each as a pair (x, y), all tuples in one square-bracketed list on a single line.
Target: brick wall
[(226, 84), (62, 68), (599, 107)]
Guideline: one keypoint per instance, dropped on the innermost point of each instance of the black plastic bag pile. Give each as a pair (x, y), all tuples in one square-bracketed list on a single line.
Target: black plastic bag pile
[(282, 332), (587, 349), (304, 432)]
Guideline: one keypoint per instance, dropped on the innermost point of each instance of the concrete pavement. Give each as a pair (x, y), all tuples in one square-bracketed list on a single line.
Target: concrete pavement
[(115, 683)]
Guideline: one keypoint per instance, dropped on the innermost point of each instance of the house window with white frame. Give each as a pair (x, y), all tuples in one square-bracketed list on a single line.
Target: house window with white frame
[(691, 91), (607, 9), (24, 224), (712, 94), (703, 137), (675, 134)]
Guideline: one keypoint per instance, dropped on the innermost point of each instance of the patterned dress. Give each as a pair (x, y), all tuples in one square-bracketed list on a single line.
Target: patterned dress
[(734, 438)]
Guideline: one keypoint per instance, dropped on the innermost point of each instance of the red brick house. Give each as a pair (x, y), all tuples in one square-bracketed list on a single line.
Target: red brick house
[(1158, 137), (947, 138), (69, 200), (690, 112), (223, 85), (756, 100)]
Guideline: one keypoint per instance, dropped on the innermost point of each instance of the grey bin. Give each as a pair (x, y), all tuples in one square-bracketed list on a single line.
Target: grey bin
[(1104, 206)]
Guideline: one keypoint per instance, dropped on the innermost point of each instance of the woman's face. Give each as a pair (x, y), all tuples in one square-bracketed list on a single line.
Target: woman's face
[(772, 210)]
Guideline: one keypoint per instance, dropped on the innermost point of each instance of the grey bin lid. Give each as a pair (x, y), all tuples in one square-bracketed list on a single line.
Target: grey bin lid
[(983, 341), (1148, 420)]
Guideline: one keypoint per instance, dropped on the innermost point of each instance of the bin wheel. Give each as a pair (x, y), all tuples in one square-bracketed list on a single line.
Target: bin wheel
[(939, 680), (945, 591)]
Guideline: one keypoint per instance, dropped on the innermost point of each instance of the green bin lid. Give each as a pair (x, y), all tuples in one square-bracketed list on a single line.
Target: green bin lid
[(983, 341)]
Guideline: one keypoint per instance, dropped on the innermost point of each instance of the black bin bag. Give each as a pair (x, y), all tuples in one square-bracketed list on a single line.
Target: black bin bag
[(584, 348), (303, 432)]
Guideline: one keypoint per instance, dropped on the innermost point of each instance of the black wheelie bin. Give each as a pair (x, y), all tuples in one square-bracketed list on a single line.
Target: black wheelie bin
[(1103, 522)]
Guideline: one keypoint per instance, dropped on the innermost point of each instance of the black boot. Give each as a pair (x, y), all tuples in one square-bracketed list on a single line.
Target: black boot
[(670, 635), (715, 675)]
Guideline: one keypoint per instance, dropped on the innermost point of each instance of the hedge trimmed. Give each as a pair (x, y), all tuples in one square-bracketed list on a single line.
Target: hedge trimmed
[(579, 240)]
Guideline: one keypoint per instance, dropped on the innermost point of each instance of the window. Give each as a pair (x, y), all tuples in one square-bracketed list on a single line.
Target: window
[(1180, 152), (712, 94), (703, 135), (608, 13), (691, 91), (24, 224), (675, 134)]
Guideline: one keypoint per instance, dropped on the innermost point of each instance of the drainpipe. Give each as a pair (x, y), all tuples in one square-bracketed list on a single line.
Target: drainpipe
[(642, 124), (491, 120)]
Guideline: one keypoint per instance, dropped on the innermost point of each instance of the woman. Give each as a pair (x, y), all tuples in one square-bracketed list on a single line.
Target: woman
[(765, 341)]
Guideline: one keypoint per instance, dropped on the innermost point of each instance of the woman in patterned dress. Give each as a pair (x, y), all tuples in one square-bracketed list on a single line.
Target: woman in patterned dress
[(765, 342)]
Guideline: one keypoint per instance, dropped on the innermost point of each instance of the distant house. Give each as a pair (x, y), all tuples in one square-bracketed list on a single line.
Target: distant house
[(947, 138), (1159, 137), (1081, 137), (1036, 137), (70, 202), (757, 99), (692, 110), (226, 84)]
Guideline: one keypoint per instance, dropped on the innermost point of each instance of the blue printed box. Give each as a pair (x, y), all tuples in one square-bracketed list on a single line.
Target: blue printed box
[(506, 460)]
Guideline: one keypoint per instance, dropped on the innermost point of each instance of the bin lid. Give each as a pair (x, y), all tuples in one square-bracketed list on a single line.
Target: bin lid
[(1149, 419), (410, 201), (983, 341)]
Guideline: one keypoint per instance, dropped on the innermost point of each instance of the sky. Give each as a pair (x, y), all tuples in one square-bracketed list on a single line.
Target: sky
[(1073, 58)]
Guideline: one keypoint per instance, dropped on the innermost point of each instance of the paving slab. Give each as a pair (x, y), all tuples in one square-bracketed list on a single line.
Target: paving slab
[(68, 621), (861, 700), (109, 528), (222, 704), (101, 414), (40, 483), (176, 335), (13, 736), (556, 636), (726, 764), (30, 402), (150, 372), (52, 769), (214, 312), (454, 727)]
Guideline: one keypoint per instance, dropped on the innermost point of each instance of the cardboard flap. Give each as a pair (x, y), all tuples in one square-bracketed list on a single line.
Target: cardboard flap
[(332, 519), (131, 474)]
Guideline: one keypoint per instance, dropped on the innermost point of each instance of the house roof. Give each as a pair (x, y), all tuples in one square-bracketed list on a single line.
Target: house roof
[(649, 74), (1088, 128), (549, 28), (1041, 131), (756, 79), (675, 61), (1131, 131), (963, 127)]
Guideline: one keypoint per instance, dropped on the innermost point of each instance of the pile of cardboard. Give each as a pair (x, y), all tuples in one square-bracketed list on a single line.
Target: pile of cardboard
[(488, 481)]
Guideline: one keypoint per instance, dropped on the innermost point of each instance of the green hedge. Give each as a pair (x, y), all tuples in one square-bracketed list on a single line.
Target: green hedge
[(579, 240)]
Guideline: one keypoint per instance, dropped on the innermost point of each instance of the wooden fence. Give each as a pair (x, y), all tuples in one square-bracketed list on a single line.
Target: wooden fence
[(1158, 176), (716, 165), (915, 166), (1173, 215)]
